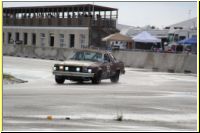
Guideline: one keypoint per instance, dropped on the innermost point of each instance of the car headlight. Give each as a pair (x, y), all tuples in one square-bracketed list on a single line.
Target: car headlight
[(78, 69), (66, 68), (89, 70), (54, 68), (61, 67)]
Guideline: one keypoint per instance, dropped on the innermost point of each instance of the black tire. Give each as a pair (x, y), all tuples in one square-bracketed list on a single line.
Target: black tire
[(115, 78), (80, 82), (59, 79), (97, 78)]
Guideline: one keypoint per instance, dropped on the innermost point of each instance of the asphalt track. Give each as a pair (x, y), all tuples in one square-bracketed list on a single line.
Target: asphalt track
[(145, 100)]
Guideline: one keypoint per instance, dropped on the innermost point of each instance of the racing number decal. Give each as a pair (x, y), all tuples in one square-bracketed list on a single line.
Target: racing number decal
[(106, 71), (108, 68)]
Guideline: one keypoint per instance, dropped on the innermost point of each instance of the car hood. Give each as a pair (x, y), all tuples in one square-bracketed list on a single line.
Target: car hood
[(80, 63)]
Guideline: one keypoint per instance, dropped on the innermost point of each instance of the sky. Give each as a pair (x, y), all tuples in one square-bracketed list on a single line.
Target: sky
[(159, 14)]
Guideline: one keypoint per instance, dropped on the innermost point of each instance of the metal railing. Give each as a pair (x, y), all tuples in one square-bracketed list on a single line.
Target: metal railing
[(69, 22)]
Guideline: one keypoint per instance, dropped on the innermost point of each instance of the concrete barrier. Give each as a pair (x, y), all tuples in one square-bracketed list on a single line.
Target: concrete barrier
[(160, 61), (157, 61)]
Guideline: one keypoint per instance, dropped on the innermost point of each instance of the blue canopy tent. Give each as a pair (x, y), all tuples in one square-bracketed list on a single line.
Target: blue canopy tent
[(189, 41)]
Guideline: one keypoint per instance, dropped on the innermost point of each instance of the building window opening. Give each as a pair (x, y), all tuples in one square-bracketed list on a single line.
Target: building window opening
[(17, 36), (34, 39), (10, 40), (82, 40), (42, 39), (51, 39), (61, 40), (71, 41), (25, 38)]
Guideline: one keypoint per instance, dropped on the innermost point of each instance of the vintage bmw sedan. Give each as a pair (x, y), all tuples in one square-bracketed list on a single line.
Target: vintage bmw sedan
[(89, 65)]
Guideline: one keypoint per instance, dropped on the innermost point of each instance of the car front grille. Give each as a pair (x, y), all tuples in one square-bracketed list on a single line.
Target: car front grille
[(71, 68)]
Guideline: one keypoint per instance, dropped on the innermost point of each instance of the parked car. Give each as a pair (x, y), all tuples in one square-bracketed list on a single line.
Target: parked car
[(86, 65)]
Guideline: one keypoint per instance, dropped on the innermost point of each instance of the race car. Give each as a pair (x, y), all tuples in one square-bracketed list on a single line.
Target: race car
[(89, 65)]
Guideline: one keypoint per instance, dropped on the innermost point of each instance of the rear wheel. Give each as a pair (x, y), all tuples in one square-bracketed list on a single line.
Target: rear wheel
[(59, 79), (115, 78)]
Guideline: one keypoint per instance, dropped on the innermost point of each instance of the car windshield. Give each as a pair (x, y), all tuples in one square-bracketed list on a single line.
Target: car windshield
[(86, 55)]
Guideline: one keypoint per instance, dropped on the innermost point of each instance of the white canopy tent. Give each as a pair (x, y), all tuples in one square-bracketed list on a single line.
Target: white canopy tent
[(146, 37)]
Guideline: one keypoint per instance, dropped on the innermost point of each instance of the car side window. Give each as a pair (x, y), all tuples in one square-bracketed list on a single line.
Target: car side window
[(106, 58), (112, 58)]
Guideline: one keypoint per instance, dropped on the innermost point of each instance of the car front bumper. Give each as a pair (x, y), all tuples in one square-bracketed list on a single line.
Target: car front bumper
[(73, 74)]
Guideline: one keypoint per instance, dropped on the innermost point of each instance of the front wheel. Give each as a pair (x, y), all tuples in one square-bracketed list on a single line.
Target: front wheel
[(59, 79), (115, 78), (97, 78)]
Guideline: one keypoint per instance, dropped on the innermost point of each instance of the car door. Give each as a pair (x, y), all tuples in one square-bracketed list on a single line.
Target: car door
[(106, 67), (113, 65)]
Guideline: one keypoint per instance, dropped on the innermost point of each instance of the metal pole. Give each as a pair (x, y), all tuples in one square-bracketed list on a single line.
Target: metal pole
[(93, 10)]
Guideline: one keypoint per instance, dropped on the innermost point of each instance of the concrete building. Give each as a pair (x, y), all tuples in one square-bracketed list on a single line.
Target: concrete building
[(67, 26)]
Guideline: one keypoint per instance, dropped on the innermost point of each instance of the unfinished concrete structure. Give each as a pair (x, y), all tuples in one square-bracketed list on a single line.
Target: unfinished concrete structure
[(67, 26)]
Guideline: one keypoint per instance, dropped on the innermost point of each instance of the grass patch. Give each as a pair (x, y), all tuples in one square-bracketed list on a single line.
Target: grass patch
[(7, 76), (9, 79)]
